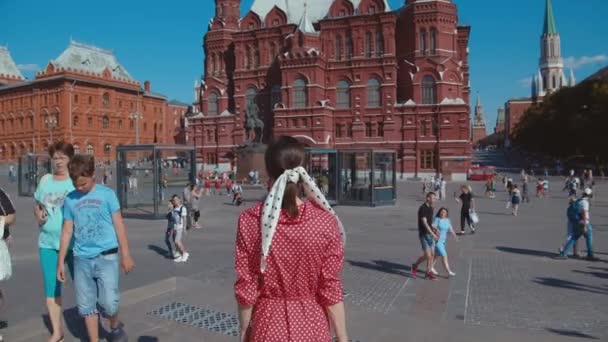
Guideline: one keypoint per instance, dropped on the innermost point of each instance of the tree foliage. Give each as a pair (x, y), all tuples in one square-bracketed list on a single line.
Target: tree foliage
[(572, 121)]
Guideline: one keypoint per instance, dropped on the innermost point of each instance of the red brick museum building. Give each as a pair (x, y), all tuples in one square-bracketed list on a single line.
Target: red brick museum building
[(86, 97), (338, 74)]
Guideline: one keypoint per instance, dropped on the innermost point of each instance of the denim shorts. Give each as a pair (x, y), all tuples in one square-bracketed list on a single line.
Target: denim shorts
[(427, 242), (96, 282)]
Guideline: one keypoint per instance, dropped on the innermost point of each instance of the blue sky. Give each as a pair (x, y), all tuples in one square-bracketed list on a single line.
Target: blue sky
[(163, 44)]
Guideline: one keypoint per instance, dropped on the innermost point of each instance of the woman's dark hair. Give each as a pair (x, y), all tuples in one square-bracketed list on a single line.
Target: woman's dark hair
[(282, 154), (447, 212), (63, 147), (81, 166)]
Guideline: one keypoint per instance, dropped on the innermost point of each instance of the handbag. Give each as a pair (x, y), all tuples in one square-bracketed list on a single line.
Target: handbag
[(474, 217), (5, 257)]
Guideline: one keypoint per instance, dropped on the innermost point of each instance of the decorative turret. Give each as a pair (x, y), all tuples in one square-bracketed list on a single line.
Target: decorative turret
[(9, 73), (551, 63), (479, 118), (227, 14)]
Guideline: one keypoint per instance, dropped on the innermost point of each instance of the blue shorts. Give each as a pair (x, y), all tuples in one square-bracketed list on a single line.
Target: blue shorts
[(427, 242), (440, 249), (96, 281)]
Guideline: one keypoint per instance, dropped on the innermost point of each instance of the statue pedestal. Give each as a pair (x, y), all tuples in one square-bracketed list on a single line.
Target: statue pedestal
[(251, 157)]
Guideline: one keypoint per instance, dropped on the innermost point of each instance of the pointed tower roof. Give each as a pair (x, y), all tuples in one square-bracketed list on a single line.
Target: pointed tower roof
[(549, 27), (305, 25), (479, 118), (572, 79), (8, 68)]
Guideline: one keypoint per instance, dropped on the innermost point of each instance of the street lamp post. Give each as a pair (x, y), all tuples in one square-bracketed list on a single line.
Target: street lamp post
[(136, 116), (51, 124)]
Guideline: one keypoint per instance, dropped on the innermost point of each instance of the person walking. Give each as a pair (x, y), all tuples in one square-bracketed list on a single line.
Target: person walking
[(427, 235), (48, 210), (467, 200), (515, 199), (444, 226), (442, 188), (7, 218), (582, 227), (524, 187), (92, 217), (180, 218), (207, 186), (288, 257), (218, 186), (170, 234), (509, 187), (195, 205), (572, 219)]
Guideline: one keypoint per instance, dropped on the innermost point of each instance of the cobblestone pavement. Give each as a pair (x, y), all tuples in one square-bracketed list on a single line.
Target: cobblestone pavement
[(508, 286)]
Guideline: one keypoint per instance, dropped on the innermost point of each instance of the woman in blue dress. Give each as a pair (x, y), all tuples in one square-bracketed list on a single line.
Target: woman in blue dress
[(443, 224)]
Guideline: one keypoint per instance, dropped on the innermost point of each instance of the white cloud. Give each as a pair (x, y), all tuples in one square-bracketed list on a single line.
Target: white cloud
[(577, 62), (28, 67), (526, 82)]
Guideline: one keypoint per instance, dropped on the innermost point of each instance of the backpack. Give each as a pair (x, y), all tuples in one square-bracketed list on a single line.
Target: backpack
[(574, 212)]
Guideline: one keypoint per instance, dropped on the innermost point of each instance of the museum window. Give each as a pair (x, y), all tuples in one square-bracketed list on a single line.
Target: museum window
[(379, 44), (338, 130), (119, 124), (105, 122), (90, 149), (368, 44), (107, 148), (294, 123), (423, 42), (272, 52), (380, 129), (76, 98), (433, 40), (75, 121), (300, 96), (343, 89), (339, 47), (368, 129), (212, 104), (247, 58), (31, 122), (145, 126), (90, 122), (131, 124), (428, 160), (105, 100), (349, 130), (372, 9), (373, 93), (90, 100), (349, 47), (429, 91), (256, 57)]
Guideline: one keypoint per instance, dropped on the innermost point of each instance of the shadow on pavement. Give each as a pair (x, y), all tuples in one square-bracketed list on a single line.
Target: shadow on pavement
[(571, 333), (522, 251), (494, 213), (565, 284), (383, 266), (147, 339), (74, 324), (159, 250), (601, 275)]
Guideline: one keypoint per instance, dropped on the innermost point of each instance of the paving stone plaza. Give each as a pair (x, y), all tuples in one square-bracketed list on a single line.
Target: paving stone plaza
[(508, 286)]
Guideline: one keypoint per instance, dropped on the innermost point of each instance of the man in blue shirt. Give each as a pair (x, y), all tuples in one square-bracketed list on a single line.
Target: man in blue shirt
[(92, 215)]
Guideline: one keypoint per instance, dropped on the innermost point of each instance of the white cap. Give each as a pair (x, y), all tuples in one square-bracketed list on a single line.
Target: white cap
[(588, 191)]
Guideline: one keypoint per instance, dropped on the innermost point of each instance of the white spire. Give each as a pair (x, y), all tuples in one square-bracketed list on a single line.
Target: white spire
[(572, 79)]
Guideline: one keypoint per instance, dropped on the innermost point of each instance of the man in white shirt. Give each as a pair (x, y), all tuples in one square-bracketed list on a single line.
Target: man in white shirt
[(180, 217)]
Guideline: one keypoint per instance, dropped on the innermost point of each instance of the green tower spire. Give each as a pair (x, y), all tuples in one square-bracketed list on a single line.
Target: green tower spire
[(550, 27)]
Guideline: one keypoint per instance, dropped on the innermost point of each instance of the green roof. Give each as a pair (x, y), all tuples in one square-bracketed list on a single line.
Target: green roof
[(550, 27)]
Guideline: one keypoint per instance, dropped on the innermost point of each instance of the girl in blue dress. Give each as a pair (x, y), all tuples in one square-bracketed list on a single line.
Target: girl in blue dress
[(443, 224)]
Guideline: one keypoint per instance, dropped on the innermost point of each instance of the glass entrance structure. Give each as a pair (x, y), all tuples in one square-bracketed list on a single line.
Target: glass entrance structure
[(367, 177), (31, 168), (148, 175), (322, 166)]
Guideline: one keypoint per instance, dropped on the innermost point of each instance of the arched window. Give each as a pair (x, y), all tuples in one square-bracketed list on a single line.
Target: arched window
[(379, 44), (300, 96), (423, 42), (250, 96), (247, 58), (107, 148), (75, 121), (90, 149), (131, 124), (433, 41), (212, 105), (275, 95), (119, 124), (343, 95), (105, 100), (429, 91), (373, 93), (368, 44), (105, 122), (339, 47), (273, 53), (256, 57), (349, 47), (90, 122), (554, 82)]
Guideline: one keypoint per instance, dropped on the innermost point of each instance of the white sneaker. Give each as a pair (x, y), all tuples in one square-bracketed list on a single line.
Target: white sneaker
[(434, 271), (451, 274), (185, 257), (179, 259), (176, 255)]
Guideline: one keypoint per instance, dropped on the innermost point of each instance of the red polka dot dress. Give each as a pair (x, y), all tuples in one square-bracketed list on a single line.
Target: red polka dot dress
[(302, 274)]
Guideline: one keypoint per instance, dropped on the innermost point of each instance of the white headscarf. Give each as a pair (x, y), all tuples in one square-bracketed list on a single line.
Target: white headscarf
[(272, 206)]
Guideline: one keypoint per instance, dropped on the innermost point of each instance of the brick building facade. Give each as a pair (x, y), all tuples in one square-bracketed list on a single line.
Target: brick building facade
[(338, 74), (85, 97)]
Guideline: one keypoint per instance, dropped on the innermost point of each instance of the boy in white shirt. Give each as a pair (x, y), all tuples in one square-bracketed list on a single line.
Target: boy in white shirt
[(180, 219)]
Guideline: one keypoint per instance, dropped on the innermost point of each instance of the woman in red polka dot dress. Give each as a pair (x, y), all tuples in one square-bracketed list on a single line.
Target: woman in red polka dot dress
[(289, 255)]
